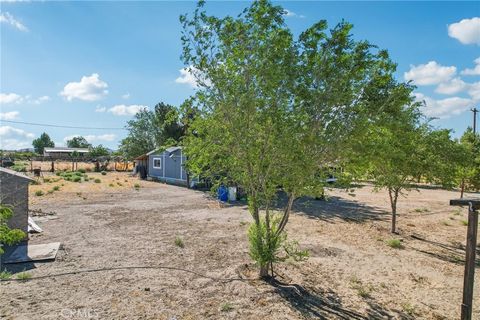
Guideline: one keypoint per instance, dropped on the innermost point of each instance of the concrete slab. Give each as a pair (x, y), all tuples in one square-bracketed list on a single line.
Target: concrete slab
[(29, 253)]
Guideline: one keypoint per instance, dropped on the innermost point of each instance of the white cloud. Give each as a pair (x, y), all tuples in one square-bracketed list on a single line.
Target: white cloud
[(100, 109), (126, 96), (124, 110), (90, 88), (13, 138), (7, 18), (453, 86), (7, 98), (187, 77), (430, 73), (10, 98), (40, 100), (466, 31), (444, 108), (91, 138), (289, 13), (474, 91), (12, 115), (475, 71)]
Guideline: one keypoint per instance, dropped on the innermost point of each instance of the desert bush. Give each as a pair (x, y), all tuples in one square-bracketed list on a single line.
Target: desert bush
[(97, 180), (394, 243), (50, 191), (226, 307), (56, 188), (120, 184), (39, 193), (179, 242), (103, 173), (81, 170), (136, 186), (111, 185), (464, 222), (24, 276), (46, 180), (5, 275), (77, 179)]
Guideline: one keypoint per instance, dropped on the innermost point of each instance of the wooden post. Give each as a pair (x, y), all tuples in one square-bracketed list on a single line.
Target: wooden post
[(470, 256), (53, 166)]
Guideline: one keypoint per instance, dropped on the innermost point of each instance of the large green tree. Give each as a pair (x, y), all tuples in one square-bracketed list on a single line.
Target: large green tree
[(152, 129), (42, 142), (275, 111), (78, 142), (468, 170)]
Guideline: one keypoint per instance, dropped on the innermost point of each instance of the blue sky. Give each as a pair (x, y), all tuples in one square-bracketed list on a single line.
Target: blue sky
[(94, 64)]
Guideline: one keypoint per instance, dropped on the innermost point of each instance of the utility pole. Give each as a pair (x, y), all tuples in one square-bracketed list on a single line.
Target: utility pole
[(475, 111)]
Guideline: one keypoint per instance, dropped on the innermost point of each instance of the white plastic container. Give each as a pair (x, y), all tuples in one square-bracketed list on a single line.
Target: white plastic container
[(232, 193)]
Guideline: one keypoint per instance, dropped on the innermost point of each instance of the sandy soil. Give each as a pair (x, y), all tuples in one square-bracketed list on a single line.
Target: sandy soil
[(352, 273)]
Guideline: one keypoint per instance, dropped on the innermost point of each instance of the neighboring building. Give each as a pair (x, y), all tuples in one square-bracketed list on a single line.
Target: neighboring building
[(14, 193), (62, 152), (167, 166)]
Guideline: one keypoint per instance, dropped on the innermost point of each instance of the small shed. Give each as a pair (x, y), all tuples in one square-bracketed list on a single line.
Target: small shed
[(168, 166), (63, 152), (14, 193)]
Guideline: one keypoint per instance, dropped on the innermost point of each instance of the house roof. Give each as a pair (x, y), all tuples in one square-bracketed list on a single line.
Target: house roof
[(15, 173), (67, 150), (169, 150)]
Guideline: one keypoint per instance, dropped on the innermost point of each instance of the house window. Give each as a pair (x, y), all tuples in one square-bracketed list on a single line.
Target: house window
[(157, 163)]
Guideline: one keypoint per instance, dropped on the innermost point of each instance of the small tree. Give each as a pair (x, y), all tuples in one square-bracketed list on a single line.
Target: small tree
[(42, 142), (468, 170), (274, 111)]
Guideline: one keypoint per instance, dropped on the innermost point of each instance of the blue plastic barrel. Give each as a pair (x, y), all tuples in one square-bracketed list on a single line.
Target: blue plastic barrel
[(222, 193)]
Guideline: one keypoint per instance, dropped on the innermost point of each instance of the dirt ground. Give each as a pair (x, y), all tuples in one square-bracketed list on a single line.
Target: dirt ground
[(120, 258)]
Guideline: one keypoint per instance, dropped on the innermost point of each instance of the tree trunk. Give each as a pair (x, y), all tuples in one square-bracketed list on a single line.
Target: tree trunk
[(462, 188), (264, 271), (393, 194)]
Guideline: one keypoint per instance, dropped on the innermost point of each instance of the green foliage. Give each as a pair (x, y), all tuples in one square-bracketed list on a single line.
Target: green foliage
[(275, 111), (39, 193), (5, 275), (42, 142), (24, 276), (78, 142), (179, 242), (97, 180), (149, 130), (394, 243), (56, 188), (98, 151), (8, 236), (226, 307), (77, 179), (19, 167), (82, 170), (136, 186), (104, 173)]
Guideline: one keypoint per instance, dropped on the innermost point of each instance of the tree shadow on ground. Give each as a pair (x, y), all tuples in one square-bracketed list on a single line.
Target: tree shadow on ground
[(454, 253), (335, 208), (328, 304)]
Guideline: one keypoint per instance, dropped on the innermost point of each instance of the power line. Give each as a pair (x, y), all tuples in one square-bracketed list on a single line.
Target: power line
[(60, 126)]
